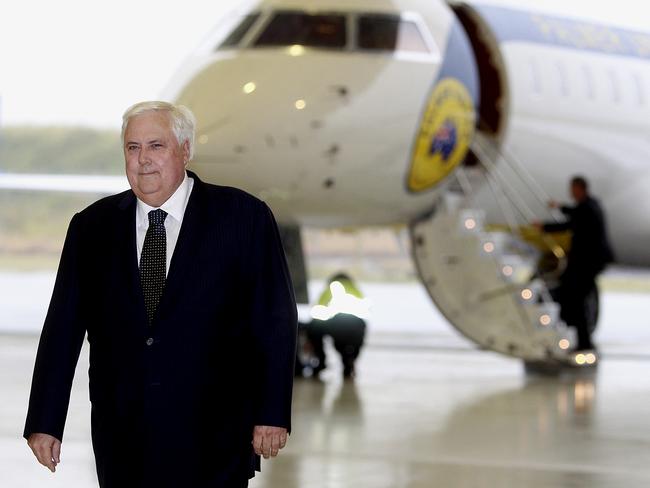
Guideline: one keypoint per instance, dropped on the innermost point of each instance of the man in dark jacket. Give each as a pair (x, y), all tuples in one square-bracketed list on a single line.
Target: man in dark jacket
[(589, 255), (183, 290)]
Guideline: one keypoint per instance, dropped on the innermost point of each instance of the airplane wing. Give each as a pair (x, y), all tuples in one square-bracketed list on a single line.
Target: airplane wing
[(64, 183)]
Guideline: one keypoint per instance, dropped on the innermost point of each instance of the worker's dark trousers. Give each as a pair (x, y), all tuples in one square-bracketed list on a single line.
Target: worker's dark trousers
[(575, 286), (348, 333)]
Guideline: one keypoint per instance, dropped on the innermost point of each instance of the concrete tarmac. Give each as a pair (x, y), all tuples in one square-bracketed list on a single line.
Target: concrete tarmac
[(415, 417)]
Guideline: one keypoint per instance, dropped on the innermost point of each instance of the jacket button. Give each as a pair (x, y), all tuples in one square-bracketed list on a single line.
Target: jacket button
[(149, 341)]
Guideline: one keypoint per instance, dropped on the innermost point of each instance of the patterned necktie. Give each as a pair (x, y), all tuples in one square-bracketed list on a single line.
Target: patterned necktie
[(153, 262)]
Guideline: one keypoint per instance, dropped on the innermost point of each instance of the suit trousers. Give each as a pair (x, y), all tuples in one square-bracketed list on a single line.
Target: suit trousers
[(576, 284)]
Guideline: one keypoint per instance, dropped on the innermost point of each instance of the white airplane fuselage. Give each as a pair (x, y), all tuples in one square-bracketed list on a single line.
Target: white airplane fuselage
[(329, 137)]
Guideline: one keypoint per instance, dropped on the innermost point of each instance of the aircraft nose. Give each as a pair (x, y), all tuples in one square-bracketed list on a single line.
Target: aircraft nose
[(296, 125), (249, 103)]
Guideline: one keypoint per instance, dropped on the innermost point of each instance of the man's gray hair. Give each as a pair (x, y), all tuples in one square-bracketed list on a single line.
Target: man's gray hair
[(181, 118)]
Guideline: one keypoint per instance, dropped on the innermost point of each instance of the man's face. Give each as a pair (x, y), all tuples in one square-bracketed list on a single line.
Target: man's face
[(578, 192), (155, 162)]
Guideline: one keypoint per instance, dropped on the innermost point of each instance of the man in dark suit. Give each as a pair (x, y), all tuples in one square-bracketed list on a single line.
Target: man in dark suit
[(183, 290), (589, 255)]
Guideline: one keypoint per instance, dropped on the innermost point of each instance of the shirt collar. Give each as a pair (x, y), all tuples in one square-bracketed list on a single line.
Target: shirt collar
[(174, 206)]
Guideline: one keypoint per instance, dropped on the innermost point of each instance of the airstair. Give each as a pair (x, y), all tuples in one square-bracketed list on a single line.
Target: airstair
[(485, 279)]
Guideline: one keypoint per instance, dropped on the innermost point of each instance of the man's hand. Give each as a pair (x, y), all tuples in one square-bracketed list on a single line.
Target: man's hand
[(46, 448), (267, 440)]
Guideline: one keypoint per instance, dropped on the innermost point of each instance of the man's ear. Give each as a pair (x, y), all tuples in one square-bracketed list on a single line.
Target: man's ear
[(186, 152)]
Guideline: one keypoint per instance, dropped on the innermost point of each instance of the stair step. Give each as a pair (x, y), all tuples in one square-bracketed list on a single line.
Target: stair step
[(545, 315), (471, 221), (516, 269), (531, 293), (495, 243)]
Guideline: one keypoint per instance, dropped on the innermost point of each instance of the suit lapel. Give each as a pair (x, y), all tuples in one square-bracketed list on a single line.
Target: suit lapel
[(186, 245), (129, 255)]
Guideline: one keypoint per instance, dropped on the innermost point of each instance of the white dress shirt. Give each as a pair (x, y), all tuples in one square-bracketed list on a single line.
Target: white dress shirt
[(175, 208)]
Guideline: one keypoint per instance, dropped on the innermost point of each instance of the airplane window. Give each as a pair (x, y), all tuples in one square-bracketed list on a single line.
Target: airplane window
[(613, 80), (389, 33), (640, 90), (589, 82), (288, 28), (240, 31), (535, 76), (563, 83)]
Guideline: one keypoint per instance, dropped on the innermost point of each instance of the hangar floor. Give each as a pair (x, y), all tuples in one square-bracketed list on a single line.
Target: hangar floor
[(417, 416)]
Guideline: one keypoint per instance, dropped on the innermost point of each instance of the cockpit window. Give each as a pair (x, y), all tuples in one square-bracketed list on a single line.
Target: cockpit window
[(389, 33), (289, 28), (235, 37)]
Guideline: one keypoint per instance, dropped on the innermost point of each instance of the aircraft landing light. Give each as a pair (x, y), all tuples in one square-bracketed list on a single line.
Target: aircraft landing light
[(590, 358), (300, 104), (526, 294), (249, 88), (564, 344), (507, 270), (488, 247), (545, 319), (203, 139), (470, 224)]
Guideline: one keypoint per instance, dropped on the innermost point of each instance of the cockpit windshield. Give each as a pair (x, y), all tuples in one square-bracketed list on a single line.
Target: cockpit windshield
[(373, 32), (289, 28), (389, 33)]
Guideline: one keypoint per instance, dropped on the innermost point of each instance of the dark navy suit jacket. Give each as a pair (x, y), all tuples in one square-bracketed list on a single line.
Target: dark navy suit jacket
[(590, 249), (173, 403)]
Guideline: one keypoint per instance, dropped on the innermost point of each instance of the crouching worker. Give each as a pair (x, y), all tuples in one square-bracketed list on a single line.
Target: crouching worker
[(340, 313)]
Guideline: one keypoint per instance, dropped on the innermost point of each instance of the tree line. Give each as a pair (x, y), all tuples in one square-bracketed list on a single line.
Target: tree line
[(33, 224)]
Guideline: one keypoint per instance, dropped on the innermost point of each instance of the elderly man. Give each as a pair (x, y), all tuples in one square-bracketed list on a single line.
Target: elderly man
[(184, 292)]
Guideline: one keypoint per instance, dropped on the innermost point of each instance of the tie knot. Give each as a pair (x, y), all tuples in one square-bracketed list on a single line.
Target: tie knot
[(157, 217)]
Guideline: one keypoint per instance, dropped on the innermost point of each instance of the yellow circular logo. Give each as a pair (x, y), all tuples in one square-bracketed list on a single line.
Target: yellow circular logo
[(446, 131)]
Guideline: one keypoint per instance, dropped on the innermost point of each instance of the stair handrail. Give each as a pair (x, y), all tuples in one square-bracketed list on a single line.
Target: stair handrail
[(487, 147), (513, 161), (492, 171), (513, 194)]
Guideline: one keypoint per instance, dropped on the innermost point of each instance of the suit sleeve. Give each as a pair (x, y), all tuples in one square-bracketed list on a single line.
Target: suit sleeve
[(60, 343), (557, 227), (274, 324)]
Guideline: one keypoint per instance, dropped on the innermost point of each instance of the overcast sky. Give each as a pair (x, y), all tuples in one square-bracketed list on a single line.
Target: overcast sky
[(82, 62)]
